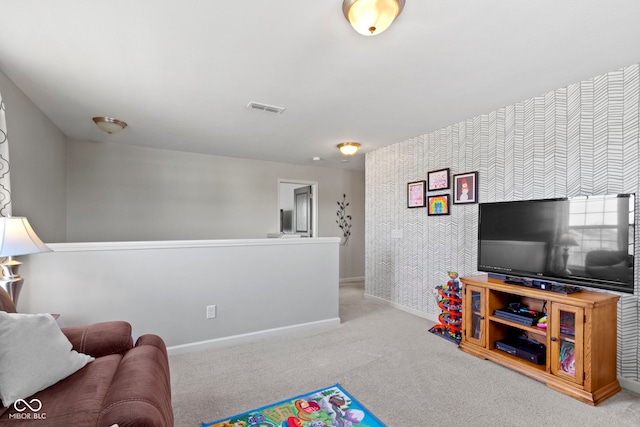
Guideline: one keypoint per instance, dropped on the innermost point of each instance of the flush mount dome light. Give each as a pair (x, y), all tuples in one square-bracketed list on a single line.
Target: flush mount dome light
[(349, 148), (371, 17), (109, 125)]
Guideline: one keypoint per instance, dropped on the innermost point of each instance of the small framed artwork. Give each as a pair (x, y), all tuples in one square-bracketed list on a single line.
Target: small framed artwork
[(465, 188), (438, 180), (438, 205), (415, 194)]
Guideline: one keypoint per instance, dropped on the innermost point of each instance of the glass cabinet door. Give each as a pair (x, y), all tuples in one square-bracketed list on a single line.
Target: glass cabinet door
[(474, 315), (567, 342)]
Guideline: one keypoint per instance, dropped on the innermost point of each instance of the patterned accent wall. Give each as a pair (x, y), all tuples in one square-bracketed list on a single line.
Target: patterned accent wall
[(578, 140), (5, 184)]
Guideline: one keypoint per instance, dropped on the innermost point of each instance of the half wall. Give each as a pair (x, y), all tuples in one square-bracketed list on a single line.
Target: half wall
[(258, 286)]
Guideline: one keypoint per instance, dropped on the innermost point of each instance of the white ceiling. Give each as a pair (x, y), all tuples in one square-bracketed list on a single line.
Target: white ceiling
[(181, 73)]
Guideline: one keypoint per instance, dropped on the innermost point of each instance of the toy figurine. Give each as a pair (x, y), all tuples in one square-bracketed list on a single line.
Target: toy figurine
[(454, 283)]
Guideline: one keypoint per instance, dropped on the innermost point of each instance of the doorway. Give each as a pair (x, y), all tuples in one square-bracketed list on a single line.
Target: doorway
[(298, 207)]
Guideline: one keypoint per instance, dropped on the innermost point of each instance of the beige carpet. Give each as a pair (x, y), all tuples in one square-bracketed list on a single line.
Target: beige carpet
[(387, 360)]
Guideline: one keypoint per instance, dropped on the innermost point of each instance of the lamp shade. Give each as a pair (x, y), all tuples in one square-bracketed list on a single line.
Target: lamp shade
[(18, 238), (567, 240), (371, 17), (349, 148)]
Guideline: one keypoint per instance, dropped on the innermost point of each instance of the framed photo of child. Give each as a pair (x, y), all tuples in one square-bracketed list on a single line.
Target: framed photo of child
[(465, 188)]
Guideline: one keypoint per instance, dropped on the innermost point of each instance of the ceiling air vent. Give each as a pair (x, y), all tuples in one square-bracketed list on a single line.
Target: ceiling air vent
[(266, 107)]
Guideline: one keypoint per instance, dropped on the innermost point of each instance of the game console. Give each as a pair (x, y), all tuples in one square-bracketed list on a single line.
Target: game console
[(524, 348)]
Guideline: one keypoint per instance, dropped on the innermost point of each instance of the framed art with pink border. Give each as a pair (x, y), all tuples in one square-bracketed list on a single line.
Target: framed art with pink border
[(415, 194)]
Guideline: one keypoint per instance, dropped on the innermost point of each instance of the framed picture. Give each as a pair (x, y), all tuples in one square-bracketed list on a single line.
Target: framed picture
[(438, 205), (415, 194), (465, 188), (438, 180)]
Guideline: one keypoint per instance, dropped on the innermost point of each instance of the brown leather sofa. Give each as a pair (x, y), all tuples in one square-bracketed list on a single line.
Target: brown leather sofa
[(125, 385)]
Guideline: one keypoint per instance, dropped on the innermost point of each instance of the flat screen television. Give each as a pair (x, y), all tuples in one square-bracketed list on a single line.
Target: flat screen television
[(583, 241)]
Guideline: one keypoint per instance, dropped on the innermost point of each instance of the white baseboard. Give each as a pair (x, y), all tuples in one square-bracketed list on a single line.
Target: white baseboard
[(630, 385), (253, 336), (352, 279), (428, 316)]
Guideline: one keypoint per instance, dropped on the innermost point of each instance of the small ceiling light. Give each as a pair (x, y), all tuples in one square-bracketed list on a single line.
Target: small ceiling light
[(349, 148), (371, 17), (109, 125)]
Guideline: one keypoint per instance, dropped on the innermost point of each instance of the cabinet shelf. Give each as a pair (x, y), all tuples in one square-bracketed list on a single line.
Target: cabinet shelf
[(517, 325), (581, 364), (516, 360)]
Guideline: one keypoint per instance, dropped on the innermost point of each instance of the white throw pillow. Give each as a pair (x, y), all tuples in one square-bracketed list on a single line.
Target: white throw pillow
[(34, 354)]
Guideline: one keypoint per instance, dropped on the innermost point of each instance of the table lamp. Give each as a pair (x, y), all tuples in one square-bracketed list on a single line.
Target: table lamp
[(16, 238), (565, 241)]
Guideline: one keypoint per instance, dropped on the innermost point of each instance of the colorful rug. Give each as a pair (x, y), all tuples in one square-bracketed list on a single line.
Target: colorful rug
[(331, 406)]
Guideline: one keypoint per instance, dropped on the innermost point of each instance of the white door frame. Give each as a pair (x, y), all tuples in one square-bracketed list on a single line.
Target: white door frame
[(314, 203)]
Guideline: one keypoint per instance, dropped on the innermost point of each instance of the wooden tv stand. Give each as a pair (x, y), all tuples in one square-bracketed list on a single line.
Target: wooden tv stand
[(580, 338)]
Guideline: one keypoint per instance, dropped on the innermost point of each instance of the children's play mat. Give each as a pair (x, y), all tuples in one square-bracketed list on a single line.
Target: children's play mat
[(328, 407)]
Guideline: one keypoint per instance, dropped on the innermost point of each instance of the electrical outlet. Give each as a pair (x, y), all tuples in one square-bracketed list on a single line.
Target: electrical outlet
[(396, 233), (211, 312)]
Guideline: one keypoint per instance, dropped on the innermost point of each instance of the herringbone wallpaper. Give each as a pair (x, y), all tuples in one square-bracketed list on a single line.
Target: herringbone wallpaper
[(578, 140)]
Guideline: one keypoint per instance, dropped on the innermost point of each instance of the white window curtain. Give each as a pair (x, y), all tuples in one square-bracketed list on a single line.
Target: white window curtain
[(5, 183)]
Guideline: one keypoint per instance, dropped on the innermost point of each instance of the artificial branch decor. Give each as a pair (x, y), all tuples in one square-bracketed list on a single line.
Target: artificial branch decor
[(344, 220)]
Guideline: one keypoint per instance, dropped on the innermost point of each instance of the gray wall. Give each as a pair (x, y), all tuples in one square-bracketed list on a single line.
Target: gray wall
[(37, 164), (117, 192), (579, 140)]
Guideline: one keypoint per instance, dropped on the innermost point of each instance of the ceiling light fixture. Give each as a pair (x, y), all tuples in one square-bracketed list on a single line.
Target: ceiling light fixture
[(109, 125), (371, 17), (349, 148)]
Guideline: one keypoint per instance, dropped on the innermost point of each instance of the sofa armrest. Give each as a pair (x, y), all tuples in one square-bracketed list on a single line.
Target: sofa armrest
[(100, 339), (140, 392), (154, 340)]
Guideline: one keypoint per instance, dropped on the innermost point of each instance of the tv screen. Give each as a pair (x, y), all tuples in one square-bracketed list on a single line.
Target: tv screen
[(584, 241)]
